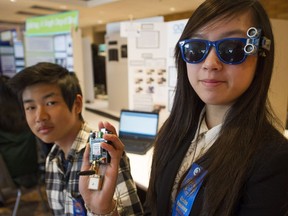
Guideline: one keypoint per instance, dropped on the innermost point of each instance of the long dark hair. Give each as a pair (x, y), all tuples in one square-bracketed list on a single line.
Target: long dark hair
[(244, 125)]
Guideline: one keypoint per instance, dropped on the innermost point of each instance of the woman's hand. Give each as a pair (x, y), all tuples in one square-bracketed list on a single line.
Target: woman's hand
[(101, 201)]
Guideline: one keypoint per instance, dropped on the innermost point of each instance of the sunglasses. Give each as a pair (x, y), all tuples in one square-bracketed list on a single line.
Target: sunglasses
[(229, 50)]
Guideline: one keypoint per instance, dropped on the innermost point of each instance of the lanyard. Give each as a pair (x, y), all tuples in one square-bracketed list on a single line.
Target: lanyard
[(186, 196)]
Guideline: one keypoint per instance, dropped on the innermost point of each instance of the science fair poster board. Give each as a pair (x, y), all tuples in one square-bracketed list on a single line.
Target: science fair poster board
[(11, 53), (151, 64), (7, 59), (117, 58), (48, 38), (174, 31), (147, 63)]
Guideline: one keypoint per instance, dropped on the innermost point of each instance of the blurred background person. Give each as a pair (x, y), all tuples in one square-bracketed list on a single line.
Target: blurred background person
[(18, 145)]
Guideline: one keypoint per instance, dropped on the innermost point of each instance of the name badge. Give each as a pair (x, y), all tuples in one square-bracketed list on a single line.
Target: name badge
[(189, 189), (78, 207)]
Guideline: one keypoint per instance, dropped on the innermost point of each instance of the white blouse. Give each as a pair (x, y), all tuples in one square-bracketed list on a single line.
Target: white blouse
[(202, 141)]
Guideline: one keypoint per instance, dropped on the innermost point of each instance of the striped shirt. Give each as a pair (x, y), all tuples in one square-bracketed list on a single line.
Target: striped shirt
[(62, 180)]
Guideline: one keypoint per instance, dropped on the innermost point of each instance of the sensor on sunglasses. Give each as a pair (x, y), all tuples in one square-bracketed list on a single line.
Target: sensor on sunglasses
[(253, 32), (255, 41), (252, 43)]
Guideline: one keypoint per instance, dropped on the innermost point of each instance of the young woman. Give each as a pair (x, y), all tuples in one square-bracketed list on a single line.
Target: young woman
[(219, 153)]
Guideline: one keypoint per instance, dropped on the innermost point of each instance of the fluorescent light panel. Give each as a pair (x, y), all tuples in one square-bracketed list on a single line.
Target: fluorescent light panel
[(85, 3)]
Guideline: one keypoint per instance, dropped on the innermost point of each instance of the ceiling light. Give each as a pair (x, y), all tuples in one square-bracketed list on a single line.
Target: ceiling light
[(63, 7), (85, 3), (172, 9)]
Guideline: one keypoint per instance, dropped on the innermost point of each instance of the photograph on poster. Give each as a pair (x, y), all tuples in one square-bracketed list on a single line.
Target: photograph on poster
[(20, 62), (6, 49), (161, 71), (60, 43), (18, 50), (6, 36), (39, 44), (138, 80), (70, 64), (8, 64), (137, 63), (161, 80), (124, 51), (60, 55), (113, 55), (147, 55), (155, 63), (148, 39)]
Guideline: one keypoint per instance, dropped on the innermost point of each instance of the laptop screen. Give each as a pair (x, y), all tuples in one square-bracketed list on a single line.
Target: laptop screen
[(138, 124)]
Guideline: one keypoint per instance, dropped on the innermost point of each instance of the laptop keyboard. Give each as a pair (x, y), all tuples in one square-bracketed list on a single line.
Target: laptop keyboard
[(136, 146)]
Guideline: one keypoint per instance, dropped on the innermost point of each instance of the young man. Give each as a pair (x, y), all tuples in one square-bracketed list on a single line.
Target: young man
[(52, 101)]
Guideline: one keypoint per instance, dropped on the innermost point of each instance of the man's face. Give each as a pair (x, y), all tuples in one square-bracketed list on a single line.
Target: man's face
[(48, 115)]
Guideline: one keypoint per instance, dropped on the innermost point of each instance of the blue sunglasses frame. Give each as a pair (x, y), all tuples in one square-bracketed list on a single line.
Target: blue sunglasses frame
[(215, 44)]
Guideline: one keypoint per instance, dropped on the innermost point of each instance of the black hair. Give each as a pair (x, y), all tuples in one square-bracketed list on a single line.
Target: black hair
[(49, 73), (11, 119)]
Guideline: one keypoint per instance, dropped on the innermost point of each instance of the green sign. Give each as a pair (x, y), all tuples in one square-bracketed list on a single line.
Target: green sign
[(52, 24)]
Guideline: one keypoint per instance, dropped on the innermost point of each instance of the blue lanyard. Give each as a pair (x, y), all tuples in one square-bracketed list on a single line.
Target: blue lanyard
[(186, 196)]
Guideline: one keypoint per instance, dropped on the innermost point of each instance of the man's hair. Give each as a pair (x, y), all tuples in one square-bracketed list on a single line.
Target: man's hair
[(48, 73)]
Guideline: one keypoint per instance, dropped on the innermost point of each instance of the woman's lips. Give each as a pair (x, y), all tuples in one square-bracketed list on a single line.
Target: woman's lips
[(211, 82)]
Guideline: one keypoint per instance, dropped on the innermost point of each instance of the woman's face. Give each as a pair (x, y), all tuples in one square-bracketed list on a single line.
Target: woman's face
[(215, 82)]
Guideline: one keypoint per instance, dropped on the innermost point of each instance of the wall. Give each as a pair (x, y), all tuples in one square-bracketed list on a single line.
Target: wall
[(279, 85)]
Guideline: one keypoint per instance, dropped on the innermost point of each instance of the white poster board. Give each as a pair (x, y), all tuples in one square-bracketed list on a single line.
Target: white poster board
[(174, 31), (147, 67)]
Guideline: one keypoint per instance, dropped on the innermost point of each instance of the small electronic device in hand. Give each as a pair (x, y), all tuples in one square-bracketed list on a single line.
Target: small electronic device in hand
[(98, 156), (97, 153)]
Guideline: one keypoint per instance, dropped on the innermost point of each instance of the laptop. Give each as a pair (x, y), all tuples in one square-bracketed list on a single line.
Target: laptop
[(137, 130)]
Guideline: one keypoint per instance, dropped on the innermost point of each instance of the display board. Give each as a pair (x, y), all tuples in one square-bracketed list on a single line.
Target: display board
[(174, 31), (56, 38), (48, 38), (60, 23), (11, 53), (7, 59), (147, 67)]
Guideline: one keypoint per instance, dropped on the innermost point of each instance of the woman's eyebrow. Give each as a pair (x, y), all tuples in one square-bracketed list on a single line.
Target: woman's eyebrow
[(234, 32)]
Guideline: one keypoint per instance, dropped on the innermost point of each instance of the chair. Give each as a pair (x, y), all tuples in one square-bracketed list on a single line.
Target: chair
[(8, 188)]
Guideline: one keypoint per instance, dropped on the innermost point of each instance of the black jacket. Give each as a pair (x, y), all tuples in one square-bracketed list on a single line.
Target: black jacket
[(265, 192)]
